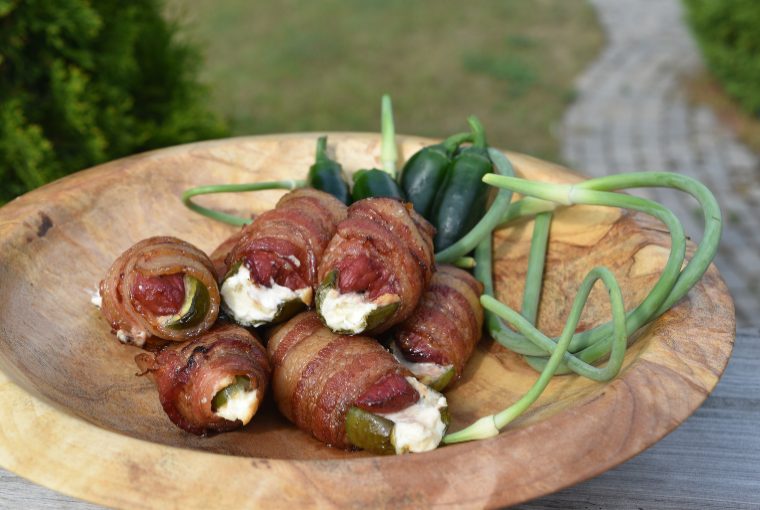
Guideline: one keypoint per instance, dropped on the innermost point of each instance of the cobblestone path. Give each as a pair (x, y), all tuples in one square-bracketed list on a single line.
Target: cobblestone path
[(632, 114)]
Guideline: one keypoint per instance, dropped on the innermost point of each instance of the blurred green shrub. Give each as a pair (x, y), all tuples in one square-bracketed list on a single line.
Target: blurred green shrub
[(729, 35), (82, 82)]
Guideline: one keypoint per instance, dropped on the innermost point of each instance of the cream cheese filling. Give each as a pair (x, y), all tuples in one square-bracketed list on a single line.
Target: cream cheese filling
[(419, 427), (253, 305), (426, 373), (240, 406), (346, 312)]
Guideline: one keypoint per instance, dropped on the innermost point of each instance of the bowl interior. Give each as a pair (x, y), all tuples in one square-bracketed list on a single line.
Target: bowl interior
[(56, 345)]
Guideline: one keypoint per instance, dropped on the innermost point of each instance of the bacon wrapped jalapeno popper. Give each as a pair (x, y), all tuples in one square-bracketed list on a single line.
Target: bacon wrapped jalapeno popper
[(162, 287), (272, 270), (376, 267), (440, 336), (350, 392), (213, 383)]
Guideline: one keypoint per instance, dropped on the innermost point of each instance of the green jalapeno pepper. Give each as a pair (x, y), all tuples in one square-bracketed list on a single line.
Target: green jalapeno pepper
[(443, 380), (375, 183), (327, 174), (461, 200), (240, 385), (375, 433), (194, 308), (425, 171), (369, 431)]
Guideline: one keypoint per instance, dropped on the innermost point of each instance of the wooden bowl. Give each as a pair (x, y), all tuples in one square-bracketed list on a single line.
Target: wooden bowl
[(76, 418)]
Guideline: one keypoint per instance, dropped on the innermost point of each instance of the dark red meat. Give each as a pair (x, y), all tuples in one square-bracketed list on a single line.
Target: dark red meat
[(161, 295), (390, 394), (145, 283)]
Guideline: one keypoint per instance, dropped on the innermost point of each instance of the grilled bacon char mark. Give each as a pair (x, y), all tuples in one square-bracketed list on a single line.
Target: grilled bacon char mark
[(448, 322), (189, 375), (285, 244), (383, 248), (318, 376), (145, 285)]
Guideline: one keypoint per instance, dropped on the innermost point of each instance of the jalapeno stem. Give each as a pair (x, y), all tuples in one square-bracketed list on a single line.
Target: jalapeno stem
[(478, 132), (231, 219), (321, 154), (388, 153), (451, 143)]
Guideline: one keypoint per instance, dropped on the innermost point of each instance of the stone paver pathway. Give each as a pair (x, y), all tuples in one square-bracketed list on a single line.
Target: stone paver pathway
[(633, 114)]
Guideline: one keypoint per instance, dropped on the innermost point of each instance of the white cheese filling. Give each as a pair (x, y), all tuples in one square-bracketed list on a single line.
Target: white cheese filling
[(426, 373), (346, 312), (240, 406), (95, 298), (132, 337), (253, 305), (419, 427)]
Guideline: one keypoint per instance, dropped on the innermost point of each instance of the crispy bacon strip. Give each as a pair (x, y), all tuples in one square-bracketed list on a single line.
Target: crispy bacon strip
[(189, 375), (318, 376), (448, 322), (383, 249), (285, 244), (144, 286), (219, 255)]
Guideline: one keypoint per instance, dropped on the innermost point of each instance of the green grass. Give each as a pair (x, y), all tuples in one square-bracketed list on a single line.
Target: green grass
[(285, 66)]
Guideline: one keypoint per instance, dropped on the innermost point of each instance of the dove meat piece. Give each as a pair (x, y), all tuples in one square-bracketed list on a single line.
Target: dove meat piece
[(161, 287), (436, 342), (349, 392), (272, 268), (375, 268), (213, 383)]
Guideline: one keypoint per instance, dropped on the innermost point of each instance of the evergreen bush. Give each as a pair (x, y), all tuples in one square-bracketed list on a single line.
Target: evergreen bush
[(82, 82), (728, 33)]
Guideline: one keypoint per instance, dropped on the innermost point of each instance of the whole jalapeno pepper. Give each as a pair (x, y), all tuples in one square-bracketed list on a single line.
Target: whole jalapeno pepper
[(425, 171), (327, 174), (461, 199), (375, 183)]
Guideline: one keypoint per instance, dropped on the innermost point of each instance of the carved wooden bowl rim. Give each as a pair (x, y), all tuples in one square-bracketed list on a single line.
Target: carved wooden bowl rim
[(45, 442)]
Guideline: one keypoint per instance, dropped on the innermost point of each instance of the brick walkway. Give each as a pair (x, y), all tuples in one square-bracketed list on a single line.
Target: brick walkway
[(633, 114)]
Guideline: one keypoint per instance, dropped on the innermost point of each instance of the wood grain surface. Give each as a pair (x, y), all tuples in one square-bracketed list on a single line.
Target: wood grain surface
[(71, 397), (710, 462)]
